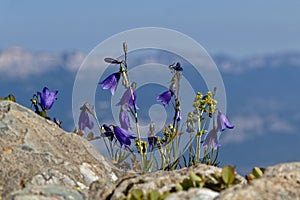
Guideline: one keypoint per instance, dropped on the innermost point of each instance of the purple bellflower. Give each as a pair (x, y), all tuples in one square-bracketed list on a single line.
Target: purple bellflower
[(84, 120), (124, 119), (212, 139), (165, 97), (111, 82), (127, 100), (107, 132), (123, 136), (47, 98), (177, 67), (152, 142), (223, 122)]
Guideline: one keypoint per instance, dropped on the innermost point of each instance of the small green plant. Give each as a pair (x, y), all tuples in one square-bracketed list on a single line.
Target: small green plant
[(10, 97), (220, 181), (257, 172)]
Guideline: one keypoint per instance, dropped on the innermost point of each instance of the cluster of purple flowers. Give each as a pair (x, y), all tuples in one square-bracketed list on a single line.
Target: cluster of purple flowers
[(128, 102)]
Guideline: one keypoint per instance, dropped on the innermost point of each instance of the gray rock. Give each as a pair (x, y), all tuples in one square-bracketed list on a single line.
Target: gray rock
[(46, 192), (36, 153), (194, 194), (164, 181), (281, 181)]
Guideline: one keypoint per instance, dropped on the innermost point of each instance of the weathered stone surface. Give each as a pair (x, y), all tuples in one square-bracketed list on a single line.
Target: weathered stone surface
[(36, 155), (194, 194), (163, 181), (281, 181)]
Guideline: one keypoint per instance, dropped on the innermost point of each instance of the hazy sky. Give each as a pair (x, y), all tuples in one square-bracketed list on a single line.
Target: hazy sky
[(235, 27)]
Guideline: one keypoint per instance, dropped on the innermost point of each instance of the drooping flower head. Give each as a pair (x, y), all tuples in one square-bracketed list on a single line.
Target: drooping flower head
[(212, 139), (111, 82), (165, 97), (177, 67), (107, 132), (123, 136), (124, 119), (84, 120), (127, 99), (223, 122), (47, 98), (152, 140)]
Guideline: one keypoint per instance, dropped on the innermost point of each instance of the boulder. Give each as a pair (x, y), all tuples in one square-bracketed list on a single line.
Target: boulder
[(166, 181), (280, 182), (37, 158)]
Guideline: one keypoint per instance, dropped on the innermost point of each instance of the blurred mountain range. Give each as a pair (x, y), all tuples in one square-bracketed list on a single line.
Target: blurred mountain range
[(262, 97)]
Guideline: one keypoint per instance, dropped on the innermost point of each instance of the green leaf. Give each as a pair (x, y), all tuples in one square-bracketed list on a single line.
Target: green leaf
[(195, 179), (228, 175), (154, 195), (164, 195), (137, 193), (257, 172), (43, 113), (179, 187), (187, 184), (10, 97)]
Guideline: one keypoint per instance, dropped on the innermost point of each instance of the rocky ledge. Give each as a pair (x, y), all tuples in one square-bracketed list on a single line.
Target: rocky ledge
[(38, 160)]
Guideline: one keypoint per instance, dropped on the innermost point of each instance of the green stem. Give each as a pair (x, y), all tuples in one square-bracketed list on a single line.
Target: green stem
[(99, 126)]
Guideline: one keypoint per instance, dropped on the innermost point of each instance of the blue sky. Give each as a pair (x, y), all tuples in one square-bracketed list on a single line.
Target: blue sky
[(235, 27)]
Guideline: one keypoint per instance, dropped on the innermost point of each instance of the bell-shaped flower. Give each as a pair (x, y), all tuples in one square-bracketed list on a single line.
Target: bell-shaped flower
[(223, 122), (152, 140), (127, 99), (124, 119), (85, 121), (123, 136), (165, 97), (111, 82), (178, 67), (212, 139), (47, 98), (107, 132)]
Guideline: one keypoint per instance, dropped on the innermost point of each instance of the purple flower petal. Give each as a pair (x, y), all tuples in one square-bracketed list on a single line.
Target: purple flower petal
[(124, 119), (223, 122), (111, 82), (47, 98), (165, 97), (178, 67), (152, 142), (211, 139), (126, 99), (108, 132), (84, 121), (123, 136)]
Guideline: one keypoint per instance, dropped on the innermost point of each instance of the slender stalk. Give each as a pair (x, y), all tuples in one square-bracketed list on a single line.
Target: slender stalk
[(99, 126)]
